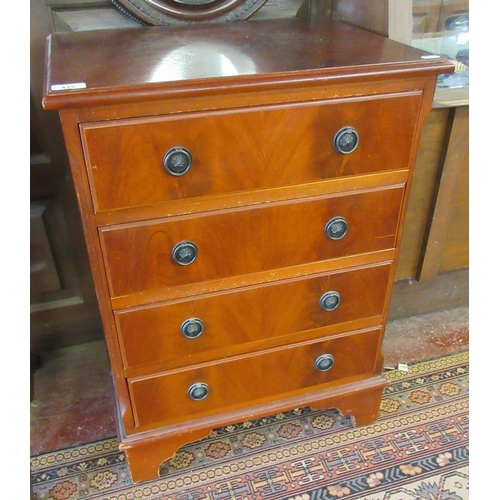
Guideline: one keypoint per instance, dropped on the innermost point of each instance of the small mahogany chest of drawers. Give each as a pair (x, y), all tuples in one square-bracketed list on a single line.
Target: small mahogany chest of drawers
[(242, 189)]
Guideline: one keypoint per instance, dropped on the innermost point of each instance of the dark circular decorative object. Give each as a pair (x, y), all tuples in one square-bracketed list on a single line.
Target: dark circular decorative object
[(198, 391), (346, 140), (162, 12), (324, 362), (192, 328), (329, 301), (177, 161), (185, 253), (336, 228)]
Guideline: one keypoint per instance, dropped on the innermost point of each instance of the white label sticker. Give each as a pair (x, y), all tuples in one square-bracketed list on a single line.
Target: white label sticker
[(68, 86)]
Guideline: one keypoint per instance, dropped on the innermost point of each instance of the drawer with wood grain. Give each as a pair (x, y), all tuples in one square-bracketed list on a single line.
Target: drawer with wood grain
[(143, 161), (180, 333), (245, 380), (156, 254)]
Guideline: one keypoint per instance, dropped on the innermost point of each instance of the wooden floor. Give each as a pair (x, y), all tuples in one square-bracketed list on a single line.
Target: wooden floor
[(73, 402)]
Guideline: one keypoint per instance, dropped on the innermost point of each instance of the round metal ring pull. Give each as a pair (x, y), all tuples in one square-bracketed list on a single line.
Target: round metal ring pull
[(177, 161), (198, 391), (324, 362), (346, 140), (336, 228), (329, 301), (192, 328), (185, 253)]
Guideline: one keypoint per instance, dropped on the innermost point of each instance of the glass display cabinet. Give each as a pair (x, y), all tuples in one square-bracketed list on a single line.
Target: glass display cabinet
[(442, 27)]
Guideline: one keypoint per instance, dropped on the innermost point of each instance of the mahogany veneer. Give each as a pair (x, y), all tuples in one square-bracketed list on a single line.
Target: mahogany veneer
[(252, 273)]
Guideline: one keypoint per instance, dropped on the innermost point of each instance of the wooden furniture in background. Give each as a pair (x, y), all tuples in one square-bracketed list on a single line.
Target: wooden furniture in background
[(429, 15), (63, 309), (433, 269), (243, 196)]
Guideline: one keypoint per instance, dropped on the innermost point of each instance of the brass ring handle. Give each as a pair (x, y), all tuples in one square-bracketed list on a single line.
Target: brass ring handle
[(336, 228), (324, 362), (184, 253), (346, 140), (329, 301), (192, 328), (198, 391), (177, 161)]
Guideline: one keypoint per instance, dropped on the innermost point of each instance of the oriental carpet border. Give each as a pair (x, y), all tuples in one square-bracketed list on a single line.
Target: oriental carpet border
[(418, 449)]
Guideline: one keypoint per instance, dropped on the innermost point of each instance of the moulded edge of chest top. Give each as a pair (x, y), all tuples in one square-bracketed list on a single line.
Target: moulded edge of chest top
[(137, 105)]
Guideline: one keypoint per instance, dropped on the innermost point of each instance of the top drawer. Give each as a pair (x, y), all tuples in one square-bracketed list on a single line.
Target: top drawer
[(230, 151)]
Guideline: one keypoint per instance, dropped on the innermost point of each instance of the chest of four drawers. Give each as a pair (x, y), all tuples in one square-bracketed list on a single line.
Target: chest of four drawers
[(242, 227), (229, 306)]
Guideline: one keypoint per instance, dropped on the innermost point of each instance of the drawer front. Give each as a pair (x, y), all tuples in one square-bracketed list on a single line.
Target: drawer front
[(227, 152), (246, 380), (177, 334), (140, 256)]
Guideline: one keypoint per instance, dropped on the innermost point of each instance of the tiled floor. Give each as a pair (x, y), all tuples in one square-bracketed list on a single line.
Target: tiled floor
[(73, 401)]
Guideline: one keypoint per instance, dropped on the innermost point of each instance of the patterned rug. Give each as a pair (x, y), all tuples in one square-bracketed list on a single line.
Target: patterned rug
[(417, 450)]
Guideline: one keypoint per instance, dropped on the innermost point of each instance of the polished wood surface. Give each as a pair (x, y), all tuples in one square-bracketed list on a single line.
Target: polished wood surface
[(266, 235), (138, 257), (245, 149), (253, 378), (233, 320), (143, 65)]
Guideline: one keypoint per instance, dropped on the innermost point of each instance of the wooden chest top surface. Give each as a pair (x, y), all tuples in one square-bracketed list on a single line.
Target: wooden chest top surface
[(113, 66)]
